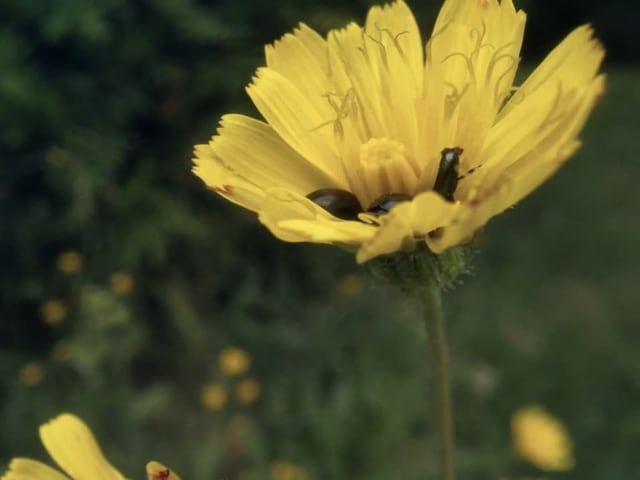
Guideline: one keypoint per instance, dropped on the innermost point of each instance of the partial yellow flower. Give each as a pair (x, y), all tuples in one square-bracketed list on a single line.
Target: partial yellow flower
[(69, 262), (214, 396), (157, 471), (542, 439), (74, 448), (285, 470), (247, 391), (349, 286), (121, 283), (54, 311), (372, 142), (234, 361), (62, 351), (31, 373)]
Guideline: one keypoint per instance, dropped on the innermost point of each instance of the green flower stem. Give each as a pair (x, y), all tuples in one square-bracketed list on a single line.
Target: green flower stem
[(432, 303)]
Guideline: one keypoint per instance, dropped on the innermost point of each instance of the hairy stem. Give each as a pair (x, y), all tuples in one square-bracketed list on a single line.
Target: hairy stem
[(432, 303)]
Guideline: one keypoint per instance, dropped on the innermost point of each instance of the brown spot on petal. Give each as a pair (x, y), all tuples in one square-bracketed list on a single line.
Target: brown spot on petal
[(161, 475), (224, 189)]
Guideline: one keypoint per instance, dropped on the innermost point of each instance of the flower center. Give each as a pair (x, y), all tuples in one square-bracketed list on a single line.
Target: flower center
[(385, 168)]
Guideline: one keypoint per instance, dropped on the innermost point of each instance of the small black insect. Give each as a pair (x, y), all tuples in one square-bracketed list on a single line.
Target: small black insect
[(447, 177), (385, 203), (339, 203)]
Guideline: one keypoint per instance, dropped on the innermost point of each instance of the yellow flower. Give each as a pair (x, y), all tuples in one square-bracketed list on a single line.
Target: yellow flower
[(247, 391), (31, 373), (349, 285), (121, 283), (372, 142), (74, 448), (541, 439), (214, 396), (62, 351), (284, 470), (234, 361), (69, 262), (53, 311)]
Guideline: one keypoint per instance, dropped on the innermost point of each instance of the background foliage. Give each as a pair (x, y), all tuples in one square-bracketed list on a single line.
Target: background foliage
[(100, 105)]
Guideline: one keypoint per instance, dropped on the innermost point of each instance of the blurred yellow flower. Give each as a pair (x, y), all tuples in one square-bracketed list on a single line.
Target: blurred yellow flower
[(53, 312), (372, 142), (247, 391), (61, 351), (31, 373), (284, 470), (233, 361), (74, 448), (57, 156), (349, 285), (214, 396), (69, 262), (121, 283), (541, 439)]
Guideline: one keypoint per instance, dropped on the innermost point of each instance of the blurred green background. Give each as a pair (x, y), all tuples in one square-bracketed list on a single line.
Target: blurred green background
[(123, 279)]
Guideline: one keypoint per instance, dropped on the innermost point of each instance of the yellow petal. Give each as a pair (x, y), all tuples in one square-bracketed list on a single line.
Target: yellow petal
[(546, 103), (394, 49), (72, 445), (27, 469), (574, 61), (382, 64), (503, 187), (407, 223), (294, 218), (301, 58), (353, 70), (395, 25), (472, 59), (223, 181), (472, 215), (252, 150), (297, 120)]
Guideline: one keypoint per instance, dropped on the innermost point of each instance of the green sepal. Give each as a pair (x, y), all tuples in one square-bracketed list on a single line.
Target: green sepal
[(421, 267)]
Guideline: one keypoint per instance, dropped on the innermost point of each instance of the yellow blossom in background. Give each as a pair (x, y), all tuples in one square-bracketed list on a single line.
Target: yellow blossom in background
[(541, 439), (214, 396), (121, 283), (247, 391), (74, 448), (61, 351), (233, 361), (53, 312), (373, 142), (58, 157), (31, 373), (69, 262), (349, 285), (284, 470)]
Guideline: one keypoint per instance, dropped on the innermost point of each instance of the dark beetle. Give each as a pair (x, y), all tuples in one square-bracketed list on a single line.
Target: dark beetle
[(385, 203), (447, 177), (339, 203), (345, 205)]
